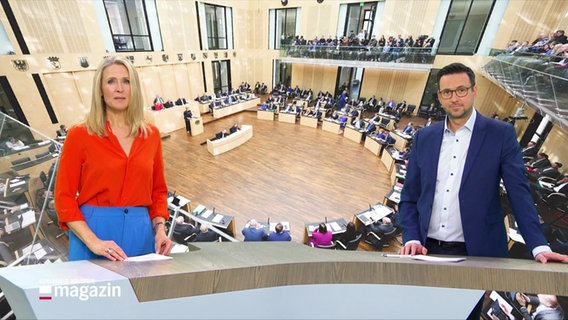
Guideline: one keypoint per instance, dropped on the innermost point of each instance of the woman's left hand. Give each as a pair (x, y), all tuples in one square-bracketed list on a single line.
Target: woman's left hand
[(163, 243)]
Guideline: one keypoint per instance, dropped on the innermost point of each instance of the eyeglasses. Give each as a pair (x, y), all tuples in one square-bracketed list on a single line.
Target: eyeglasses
[(460, 92)]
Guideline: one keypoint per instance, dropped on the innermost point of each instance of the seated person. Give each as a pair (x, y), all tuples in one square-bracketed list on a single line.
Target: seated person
[(254, 232), (530, 150), (342, 121), (551, 172), (320, 236), (14, 144), (206, 235), (234, 128), (408, 129), (541, 161), (221, 134), (279, 234), (349, 234), (62, 132), (546, 306), (404, 154), (358, 124), (182, 230), (181, 101), (541, 191), (335, 115), (380, 228)]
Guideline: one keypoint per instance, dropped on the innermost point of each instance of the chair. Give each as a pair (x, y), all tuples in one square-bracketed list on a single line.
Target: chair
[(423, 111), (554, 210), (20, 161), (351, 245), (409, 110), (43, 154), (380, 241), (331, 246)]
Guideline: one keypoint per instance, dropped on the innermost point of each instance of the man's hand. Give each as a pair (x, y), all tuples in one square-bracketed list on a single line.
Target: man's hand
[(413, 249), (545, 257)]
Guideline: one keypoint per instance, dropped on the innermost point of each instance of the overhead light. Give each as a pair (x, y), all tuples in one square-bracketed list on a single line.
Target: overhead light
[(284, 2)]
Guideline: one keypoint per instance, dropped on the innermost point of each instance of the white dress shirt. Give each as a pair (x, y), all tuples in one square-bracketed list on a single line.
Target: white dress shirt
[(445, 222)]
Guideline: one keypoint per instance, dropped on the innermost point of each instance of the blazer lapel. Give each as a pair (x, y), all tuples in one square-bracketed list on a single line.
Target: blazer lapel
[(477, 138)]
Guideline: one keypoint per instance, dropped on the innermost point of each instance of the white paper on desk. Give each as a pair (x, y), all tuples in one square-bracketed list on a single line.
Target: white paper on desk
[(206, 214), (515, 236), (217, 218), (149, 257), (436, 259), (335, 226), (28, 218), (424, 258)]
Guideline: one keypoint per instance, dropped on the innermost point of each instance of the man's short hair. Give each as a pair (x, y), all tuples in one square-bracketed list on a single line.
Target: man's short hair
[(558, 164), (279, 228), (454, 68)]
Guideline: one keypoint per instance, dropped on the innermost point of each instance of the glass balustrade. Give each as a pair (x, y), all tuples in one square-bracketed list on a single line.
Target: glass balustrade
[(29, 233), (539, 80), (417, 55)]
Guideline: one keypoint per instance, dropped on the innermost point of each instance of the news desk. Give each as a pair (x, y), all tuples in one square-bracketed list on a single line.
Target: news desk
[(231, 141), (255, 280)]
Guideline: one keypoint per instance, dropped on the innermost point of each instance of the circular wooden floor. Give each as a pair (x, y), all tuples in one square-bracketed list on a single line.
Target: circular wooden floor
[(286, 172)]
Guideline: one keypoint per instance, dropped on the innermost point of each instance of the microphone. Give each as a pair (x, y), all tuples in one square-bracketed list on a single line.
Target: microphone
[(325, 219), (213, 210)]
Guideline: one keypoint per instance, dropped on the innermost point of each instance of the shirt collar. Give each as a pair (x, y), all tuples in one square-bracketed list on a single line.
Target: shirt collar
[(469, 124)]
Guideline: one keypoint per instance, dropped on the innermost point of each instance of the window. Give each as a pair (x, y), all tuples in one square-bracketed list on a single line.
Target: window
[(359, 16), (218, 21), (284, 26), (128, 20), (464, 27), (221, 75)]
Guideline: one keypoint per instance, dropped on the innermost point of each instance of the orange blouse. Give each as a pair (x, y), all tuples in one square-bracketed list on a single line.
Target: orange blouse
[(95, 171)]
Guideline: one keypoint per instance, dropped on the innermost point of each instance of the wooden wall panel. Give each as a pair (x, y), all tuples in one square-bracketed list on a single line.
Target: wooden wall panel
[(553, 147), (64, 97)]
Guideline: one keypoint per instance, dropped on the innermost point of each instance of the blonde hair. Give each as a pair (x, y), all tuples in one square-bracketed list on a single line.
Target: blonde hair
[(96, 119)]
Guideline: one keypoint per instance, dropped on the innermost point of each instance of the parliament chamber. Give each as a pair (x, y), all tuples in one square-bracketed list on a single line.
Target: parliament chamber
[(303, 168)]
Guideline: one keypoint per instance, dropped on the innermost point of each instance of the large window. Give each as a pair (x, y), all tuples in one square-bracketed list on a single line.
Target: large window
[(218, 21), (360, 17), (464, 27), (221, 75), (284, 26), (128, 20)]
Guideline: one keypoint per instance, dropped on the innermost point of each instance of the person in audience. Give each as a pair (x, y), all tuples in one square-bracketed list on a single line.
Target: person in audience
[(409, 129), (93, 197), (14, 144), (182, 230), (545, 306), (187, 115), (62, 132), (404, 154), (551, 172), (358, 124), (428, 122), (254, 232), (279, 234), (206, 235), (530, 150), (541, 161), (234, 128), (541, 191), (380, 228), (320, 236), (349, 234)]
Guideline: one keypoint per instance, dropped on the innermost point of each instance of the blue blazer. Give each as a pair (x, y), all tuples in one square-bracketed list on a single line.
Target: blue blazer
[(493, 153)]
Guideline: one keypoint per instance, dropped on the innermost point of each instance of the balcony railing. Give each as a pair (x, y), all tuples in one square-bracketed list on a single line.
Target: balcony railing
[(540, 81), (414, 55)]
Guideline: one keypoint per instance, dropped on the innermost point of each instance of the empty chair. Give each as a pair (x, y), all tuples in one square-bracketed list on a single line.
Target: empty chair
[(409, 110), (423, 111), (20, 161), (42, 155)]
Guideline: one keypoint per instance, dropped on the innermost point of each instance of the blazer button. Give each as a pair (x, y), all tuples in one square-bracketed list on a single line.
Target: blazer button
[(125, 210)]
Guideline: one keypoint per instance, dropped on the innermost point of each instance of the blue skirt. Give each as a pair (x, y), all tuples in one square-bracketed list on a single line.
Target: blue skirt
[(128, 227)]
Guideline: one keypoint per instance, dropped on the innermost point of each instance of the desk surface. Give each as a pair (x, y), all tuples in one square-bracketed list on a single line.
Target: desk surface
[(375, 213), (335, 226)]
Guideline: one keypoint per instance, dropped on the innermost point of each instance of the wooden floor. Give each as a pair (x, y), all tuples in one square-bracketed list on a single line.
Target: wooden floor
[(286, 172)]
